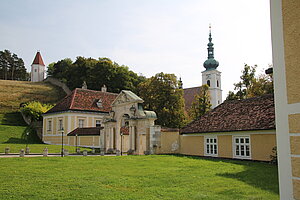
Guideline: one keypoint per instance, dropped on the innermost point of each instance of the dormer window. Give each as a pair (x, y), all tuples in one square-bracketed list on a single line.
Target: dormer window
[(99, 103)]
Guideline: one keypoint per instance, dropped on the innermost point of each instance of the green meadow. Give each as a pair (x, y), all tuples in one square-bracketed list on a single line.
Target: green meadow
[(136, 177)]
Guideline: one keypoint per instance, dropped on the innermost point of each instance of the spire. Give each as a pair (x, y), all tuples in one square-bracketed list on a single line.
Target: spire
[(210, 63), (180, 85), (38, 59)]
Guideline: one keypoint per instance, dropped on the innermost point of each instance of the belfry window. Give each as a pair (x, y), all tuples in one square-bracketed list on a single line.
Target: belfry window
[(208, 83), (217, 83)]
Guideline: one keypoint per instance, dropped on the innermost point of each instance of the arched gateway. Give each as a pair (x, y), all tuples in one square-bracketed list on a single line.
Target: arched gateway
[(129, 128)]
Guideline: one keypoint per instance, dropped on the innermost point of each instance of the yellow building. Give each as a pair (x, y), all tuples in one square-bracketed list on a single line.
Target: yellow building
[(114, 123), (285, 21), (240, 129)]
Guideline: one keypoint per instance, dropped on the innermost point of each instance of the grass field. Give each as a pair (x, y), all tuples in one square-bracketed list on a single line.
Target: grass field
[(15, 92), (13, 135), (136, 177)]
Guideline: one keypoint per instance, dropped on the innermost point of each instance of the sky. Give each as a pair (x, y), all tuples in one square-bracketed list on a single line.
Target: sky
[(149, 37)]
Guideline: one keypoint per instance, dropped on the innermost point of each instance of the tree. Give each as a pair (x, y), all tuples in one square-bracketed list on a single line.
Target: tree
[(12, 67), (162, 94), (250, 85), (96, 73), (201, 104)]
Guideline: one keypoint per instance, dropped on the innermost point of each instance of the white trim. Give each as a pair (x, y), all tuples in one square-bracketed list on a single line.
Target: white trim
[(294, 134), (281, 106), (205, 145), (296, 178), (295, 156), (234, 147), (293, 108)]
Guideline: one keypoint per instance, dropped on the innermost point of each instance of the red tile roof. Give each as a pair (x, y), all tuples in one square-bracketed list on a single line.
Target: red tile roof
[(256, 113), (85, 100), (189, 95), (38, 59), (85, 131)]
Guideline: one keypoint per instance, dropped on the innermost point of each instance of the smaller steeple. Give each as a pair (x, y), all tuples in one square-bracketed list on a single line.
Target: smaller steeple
[(38, 60), (210, 63)]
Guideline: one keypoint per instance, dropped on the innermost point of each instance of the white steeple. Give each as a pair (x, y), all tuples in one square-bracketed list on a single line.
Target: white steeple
[(37, 68), (211, 76)]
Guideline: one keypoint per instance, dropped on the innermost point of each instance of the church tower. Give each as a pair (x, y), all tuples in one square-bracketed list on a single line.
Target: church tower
[(211, 76), (37, 68)]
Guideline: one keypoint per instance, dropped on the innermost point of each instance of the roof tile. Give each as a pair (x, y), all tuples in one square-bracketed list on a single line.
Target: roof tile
[(256, 113)]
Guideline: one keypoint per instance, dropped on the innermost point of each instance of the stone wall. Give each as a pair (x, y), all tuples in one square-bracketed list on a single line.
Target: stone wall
[(58, 83)]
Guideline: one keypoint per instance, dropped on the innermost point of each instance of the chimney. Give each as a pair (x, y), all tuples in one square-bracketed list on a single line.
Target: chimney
[(84, 85), (103, 88)]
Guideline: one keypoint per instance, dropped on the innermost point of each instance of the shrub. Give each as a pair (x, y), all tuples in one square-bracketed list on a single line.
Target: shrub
[(35, 109)]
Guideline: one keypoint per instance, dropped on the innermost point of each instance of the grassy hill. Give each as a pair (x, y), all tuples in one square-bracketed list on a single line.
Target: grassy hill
[(12, 93), (12, 126)]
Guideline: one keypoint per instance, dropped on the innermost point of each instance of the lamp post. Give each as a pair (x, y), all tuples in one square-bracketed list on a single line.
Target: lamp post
[(62, 142), (76, 143), (121, 134), (27, 134)]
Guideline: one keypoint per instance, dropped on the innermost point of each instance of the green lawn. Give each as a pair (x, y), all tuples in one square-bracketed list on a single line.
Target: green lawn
[(136, 177), (13, 135)]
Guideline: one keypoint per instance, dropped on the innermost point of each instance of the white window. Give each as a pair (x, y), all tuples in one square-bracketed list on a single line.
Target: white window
[(49, 125), (81, 123), (242, 147), (60, 125), (211, 146), (98, 123)]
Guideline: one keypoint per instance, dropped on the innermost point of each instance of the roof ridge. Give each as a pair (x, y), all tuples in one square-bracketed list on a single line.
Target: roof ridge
[(96, 91), (73, 97)]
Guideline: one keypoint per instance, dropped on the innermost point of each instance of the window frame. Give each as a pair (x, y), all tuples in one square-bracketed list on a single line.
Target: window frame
[(60, 126), (241, 144), (83, 123), (212, 142), (49, 125), (98, 120)]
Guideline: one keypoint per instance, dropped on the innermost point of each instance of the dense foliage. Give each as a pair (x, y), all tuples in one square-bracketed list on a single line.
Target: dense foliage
[(162, 94), (201, 104), (95, 73), (251, 85), (12, 67), (35, 109)]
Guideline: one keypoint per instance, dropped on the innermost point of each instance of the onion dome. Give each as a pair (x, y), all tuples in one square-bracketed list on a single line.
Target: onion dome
[(210, 63)]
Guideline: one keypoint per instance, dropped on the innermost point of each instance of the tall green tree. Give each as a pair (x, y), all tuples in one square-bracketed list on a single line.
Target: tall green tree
[(250, 85), (201, 104), (96, 73), (12, 67), (162, 94)]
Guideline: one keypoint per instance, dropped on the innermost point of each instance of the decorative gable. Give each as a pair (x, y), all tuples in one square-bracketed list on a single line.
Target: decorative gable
[(126, 97)]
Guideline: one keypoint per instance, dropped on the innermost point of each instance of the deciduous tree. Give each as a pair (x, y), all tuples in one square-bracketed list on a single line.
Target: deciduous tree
[(162, 94), (201, 104)]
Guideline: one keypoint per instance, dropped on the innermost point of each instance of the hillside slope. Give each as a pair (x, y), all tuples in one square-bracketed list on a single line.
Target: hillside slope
[(12, 93)]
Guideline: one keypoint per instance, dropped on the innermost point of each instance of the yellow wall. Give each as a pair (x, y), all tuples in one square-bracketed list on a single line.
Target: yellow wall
[(55, 139), (72, 123), (225, 146), (291, 26), (262, 145), (167, 139), (192, 145), (295, 145), (88, 140), (296, 188), (294, 119)]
